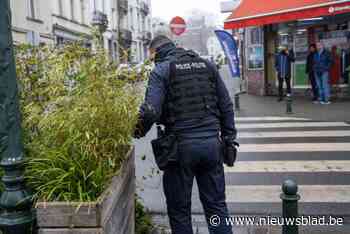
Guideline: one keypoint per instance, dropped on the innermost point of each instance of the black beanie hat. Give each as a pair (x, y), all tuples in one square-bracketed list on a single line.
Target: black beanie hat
[(160, 41)]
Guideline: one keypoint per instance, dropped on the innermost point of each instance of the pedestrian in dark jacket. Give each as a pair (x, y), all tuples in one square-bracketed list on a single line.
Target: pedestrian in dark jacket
[(322, 66), (197, 115), (310, 71), (283, 65)]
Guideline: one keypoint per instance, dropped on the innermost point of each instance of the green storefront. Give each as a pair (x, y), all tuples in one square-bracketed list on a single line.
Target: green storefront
[(333, 32), (265, 30)]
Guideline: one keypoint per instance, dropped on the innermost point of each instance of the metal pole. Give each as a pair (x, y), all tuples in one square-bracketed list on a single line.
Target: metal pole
[(16, 216), (290, 198), (237, 103), (349, 84), (289, 104)]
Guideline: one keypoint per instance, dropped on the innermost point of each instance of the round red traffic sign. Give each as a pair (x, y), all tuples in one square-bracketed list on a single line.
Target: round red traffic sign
[(178, 25)]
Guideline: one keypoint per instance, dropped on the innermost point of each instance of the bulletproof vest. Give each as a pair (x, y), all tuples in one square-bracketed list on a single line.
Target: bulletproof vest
[(192, 89)]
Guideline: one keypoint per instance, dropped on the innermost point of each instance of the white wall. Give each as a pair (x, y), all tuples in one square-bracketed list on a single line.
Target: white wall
[(23, 23)]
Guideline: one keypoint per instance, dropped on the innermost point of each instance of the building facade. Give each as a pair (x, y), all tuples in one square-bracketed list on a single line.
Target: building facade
[(140, 25), (264, 34), (60, 21), (125, 34)]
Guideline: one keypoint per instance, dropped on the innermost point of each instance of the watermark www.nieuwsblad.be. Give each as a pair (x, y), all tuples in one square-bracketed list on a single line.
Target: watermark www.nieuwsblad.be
[(216, 221)]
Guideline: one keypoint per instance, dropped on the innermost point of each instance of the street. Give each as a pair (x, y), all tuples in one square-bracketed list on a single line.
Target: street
[(312, 151), (72, 78), (314, 154)]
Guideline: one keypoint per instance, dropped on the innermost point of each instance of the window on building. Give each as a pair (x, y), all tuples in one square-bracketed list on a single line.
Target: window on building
[(131, 18), (94, 5), (255, 49), (83, 11), (72, 12), (113, 23), (33, 38), (140, 52), (138, 22), (115, 49), (134, 52), (256, 37), (110, 49), (104, 6), (31, 9), (60, 7), (59, 41)]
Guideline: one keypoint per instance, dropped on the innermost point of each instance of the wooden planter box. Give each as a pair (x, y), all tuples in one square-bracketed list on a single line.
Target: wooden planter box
[(113, 213)]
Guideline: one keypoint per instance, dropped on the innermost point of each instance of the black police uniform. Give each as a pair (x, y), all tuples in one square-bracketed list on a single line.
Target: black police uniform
[(188, 96)]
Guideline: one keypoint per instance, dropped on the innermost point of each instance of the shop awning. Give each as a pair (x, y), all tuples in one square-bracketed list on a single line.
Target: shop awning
[(258, 12)]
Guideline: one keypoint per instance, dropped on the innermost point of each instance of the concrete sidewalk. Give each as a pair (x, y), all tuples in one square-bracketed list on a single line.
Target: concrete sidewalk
[(302, 107), (257, 106)]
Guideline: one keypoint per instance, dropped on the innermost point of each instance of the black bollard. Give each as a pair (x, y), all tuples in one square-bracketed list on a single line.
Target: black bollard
[(237, 104), (289, 103), (290, 198)]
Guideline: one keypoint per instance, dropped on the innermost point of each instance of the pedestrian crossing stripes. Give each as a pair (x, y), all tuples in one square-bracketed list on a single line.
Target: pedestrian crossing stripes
[(308, 193), (292, 125), (294, 134), (291, 166), (295, 147), (315, 154), (272, 118)]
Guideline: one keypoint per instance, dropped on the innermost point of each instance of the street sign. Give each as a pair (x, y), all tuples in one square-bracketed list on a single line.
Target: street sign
[(177, 26)]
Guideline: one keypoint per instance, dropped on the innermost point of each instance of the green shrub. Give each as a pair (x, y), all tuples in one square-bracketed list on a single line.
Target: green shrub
[(143, 220), (78, 112)]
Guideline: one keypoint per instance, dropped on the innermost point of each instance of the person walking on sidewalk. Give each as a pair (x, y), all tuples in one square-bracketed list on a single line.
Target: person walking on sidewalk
[(283, 65), (310, 71), (186, 94), (322, 66)]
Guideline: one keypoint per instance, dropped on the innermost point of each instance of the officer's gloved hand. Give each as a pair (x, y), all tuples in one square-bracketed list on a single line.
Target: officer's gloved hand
[(231, 141), (147, 117), (230, 156), (139, 130)]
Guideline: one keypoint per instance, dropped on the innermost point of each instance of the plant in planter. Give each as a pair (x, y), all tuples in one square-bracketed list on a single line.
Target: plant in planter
[(143, 221), (79, 113)]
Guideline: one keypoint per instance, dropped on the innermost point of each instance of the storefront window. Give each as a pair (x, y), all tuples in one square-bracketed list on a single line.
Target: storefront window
[(256, 36), (335, 37), (255, 49), (301, 50), (338, 43), (255, 57)]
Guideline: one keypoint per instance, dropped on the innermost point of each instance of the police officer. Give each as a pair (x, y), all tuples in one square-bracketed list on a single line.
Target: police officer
[(186, 94)]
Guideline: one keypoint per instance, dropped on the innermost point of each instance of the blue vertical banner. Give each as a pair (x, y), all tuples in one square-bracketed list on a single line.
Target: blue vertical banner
[(229, 46)]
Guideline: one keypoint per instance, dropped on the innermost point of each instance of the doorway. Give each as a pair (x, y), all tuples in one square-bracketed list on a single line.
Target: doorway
[(270, 48)]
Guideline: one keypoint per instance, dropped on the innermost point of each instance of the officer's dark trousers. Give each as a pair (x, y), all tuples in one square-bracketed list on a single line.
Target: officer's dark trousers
[(200, 159)]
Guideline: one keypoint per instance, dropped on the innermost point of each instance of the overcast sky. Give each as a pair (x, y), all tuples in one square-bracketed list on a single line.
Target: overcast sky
[(166, 9)]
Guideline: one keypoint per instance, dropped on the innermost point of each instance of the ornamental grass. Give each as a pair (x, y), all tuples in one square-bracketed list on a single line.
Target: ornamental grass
[(78, 115)]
